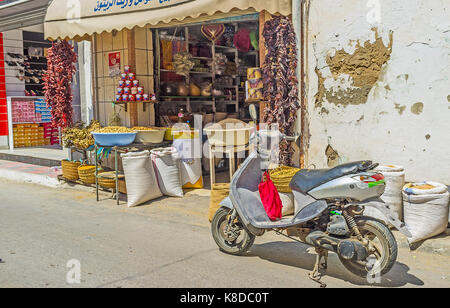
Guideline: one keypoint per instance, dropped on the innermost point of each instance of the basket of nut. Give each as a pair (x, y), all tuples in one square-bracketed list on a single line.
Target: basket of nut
[(114, 136)]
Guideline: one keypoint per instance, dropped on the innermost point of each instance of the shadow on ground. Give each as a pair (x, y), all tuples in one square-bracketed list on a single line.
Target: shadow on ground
[(299, 255)]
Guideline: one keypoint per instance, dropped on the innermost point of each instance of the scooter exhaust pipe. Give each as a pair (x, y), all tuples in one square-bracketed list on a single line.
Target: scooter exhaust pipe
[(348, 249)]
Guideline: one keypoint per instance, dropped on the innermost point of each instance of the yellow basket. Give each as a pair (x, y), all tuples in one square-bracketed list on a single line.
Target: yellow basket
[(70, 169), (218, 192), (282, 176), (108, 179), (87, 174)]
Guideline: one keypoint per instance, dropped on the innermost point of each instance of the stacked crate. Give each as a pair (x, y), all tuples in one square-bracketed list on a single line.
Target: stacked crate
[(51, 134), (27, 135)]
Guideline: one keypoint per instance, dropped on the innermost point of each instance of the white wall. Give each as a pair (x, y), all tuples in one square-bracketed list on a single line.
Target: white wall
[(405, 118)]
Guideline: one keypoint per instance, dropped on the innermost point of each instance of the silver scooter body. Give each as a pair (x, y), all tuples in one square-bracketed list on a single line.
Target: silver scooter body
[(244, 197)]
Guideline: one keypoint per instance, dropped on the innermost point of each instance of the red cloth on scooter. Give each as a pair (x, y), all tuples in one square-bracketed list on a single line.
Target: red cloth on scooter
[(270, 198)]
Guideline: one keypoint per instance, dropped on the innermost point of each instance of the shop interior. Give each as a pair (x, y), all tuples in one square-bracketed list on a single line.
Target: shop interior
[(198, 75)]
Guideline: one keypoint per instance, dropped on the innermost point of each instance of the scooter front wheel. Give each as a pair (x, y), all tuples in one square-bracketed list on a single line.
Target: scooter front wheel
[(231, 237)]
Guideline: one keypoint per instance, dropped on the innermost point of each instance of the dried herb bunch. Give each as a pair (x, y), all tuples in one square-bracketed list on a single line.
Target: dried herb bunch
[(280, 80), (57, 82)]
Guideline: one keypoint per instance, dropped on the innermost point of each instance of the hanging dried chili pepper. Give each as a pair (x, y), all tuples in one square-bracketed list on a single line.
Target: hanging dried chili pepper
[(280, 80), (57, 82)]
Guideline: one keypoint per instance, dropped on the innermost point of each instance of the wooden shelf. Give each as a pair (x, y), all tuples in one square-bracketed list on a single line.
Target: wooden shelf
[(144, 104)]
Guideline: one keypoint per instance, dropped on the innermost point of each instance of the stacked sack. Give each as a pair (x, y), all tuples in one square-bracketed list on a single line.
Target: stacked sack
[(167, 167), (141, 182), (150, 175), (426, 209), (392, 196)]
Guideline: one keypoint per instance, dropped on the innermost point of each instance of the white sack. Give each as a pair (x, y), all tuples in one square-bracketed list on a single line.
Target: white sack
[(426, 215), (142, 185), (167, 168), (392, 196), (191, 162), (287, 199)]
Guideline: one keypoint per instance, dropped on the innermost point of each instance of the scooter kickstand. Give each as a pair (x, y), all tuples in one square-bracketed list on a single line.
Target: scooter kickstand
[(315, 275)]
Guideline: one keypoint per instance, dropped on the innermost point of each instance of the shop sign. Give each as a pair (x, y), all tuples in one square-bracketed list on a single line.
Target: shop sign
[(122, 6), (114, 63)]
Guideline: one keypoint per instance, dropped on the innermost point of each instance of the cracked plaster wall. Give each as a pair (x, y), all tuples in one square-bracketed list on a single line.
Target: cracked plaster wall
[(380, 91)]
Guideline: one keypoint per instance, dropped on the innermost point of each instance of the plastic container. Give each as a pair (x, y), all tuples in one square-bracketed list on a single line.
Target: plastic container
[(114, 139)]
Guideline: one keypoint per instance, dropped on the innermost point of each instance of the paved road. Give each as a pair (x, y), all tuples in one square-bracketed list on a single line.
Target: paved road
[(165, 244)]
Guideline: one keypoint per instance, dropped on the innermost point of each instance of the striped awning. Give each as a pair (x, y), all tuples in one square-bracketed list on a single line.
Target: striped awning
[(68, 19)]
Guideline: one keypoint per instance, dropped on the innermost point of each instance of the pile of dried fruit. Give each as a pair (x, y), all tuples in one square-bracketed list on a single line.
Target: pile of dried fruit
[(79, 136), (57, 82), (280, 81), (114, 130)]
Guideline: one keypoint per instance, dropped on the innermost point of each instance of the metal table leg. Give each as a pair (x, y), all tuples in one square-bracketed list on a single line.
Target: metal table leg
[(96, 171)]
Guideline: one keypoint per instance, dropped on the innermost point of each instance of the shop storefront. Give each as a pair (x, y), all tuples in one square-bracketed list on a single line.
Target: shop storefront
[(25, 119), (160, 63), (146, 37)]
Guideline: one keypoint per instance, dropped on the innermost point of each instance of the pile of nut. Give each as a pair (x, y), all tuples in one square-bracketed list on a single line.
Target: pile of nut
[(114, 130), (143, 128)]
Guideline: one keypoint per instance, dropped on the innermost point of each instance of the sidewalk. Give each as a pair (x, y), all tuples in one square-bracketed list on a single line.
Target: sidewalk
[(27, 173)]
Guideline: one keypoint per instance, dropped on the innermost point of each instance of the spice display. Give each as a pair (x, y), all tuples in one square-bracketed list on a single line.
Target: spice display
[(280, 81), (79, 136), (57, 82)]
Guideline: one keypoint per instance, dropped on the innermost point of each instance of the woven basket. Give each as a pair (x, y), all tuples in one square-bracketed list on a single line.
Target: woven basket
[(70, 169), (108, 179), (87, 174), (282, 176), (219, 192)]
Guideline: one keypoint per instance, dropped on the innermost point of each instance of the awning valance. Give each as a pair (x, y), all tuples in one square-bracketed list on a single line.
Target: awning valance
[(66, 19)]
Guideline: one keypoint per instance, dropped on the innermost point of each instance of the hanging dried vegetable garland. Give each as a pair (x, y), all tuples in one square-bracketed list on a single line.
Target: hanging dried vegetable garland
[(57, 82), (280, 80)]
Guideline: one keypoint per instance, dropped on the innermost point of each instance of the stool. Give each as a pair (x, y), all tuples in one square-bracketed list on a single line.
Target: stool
[(230, 151)]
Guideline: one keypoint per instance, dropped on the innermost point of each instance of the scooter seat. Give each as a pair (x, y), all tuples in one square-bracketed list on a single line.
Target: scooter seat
[(308, 179)]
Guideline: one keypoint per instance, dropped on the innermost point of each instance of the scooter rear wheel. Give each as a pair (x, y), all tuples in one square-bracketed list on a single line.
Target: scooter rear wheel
[(234, 239), (384, 254)]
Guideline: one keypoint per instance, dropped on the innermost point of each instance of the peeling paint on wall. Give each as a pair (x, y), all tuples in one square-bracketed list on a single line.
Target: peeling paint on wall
[(332, 156), (363, 69), (417, 108), (400, 109)]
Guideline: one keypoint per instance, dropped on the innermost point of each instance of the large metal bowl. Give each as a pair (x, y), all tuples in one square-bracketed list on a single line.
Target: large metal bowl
[(114, 139)]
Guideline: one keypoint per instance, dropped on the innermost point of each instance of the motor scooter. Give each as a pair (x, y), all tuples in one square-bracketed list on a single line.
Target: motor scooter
[(330, 217)]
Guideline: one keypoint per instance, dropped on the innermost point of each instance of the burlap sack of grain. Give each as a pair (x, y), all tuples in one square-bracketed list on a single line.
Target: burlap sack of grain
[(287, 199), (392, 196), (167, 168), (426, 209), (141, 182), (219, 192)]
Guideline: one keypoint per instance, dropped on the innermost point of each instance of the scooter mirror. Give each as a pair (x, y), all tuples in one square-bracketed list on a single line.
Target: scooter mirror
[(253, 114)]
